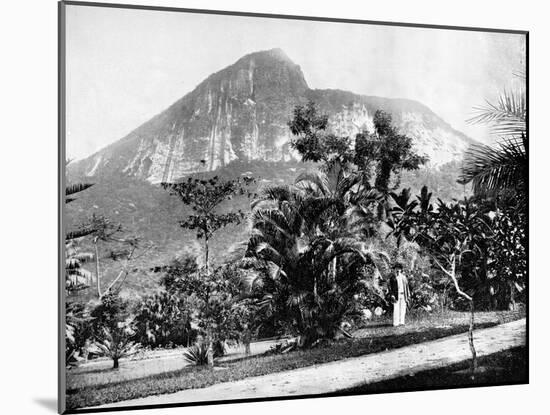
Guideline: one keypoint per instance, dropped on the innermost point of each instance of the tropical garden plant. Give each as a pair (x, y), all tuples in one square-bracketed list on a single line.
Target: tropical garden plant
[(301, 285), (197, 354), (163, 320), (116, 342), (112, 328)]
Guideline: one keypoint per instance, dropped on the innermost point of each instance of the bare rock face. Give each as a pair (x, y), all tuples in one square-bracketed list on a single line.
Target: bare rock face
[(241, 113)]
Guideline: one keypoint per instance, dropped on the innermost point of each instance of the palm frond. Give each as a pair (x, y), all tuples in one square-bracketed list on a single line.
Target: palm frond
[(78, 272), (507, 116), (347, 183), (314, 182), (493, 169), (76, 188), (340, 247), (267, 252), (274, 218), (277, 193), (79, 233)]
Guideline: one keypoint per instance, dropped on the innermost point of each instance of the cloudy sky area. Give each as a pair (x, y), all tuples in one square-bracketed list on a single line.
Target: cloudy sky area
[(125, 66)]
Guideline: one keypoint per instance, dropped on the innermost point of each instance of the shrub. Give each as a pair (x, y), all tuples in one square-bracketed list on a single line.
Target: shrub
[(215, 300), (164, 320), (424, 292), (197, 354), (116, 343), (110, 311)]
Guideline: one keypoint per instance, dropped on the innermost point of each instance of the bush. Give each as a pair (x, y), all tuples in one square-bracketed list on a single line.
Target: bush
[(215, 299), (424, 294), (164, 320), (108, 313)]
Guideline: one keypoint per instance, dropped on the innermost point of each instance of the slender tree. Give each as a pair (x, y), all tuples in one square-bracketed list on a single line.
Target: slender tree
[(205, 196), (102, 230)]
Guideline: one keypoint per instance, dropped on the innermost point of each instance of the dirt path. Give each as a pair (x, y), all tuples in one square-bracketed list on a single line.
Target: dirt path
[(348, 373)]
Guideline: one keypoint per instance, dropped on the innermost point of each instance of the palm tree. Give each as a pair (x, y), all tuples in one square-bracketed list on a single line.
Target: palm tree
[(336, 189), (116, 342), (504, 166), (76, 277), (300, 284)]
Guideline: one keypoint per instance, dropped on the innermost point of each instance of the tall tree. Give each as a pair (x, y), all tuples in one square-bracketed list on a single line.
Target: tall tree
[(205, 196), (314, 142), (103, 230), (384, 152), (76, 277), (390, 151)]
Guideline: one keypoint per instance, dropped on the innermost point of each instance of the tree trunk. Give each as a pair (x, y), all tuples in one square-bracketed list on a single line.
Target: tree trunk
[(315, 287), (334, 264), (115, 362), (210, 353), (206, 254), (97, 270), (471, 341), (512, 302)]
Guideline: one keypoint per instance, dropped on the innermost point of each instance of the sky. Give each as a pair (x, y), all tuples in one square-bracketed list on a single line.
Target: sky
[(125, 66)]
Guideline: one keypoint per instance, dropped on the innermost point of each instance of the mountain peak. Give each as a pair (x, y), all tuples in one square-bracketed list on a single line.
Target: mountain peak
[(273, 59), (240, 113), (275, 53)]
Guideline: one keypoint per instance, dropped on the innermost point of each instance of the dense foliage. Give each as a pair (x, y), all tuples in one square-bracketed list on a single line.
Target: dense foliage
[(164, 320)]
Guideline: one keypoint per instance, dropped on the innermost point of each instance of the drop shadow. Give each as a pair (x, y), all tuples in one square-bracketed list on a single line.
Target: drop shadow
[(48, 403)]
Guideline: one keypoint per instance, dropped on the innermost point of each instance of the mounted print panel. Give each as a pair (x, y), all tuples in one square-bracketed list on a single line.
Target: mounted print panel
[(260, 207)]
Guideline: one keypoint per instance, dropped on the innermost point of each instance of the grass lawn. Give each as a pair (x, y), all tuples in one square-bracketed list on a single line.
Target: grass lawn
[(508, 367), (376, 337)]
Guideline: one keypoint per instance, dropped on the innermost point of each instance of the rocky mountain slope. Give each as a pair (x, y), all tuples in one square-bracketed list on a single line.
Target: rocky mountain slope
[(241, 113)]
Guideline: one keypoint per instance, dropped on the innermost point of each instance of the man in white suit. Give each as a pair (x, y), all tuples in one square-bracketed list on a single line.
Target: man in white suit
[(399, 294)]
